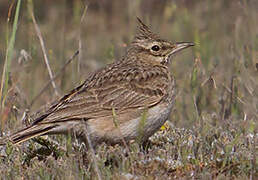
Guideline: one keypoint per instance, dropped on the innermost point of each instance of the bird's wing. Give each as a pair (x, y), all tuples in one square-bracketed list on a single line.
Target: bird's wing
[(107, 90)]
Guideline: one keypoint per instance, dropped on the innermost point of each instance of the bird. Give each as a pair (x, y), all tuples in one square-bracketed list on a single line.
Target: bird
[(127, 99)]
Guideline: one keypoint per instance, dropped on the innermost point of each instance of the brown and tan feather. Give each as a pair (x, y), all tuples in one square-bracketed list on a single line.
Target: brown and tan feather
[(140, 81)]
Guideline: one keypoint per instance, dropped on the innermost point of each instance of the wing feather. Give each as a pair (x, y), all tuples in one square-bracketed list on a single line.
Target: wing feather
[(106, 90)]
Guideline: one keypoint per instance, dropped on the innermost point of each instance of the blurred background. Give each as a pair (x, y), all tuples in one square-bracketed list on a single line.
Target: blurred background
[(216, 80)]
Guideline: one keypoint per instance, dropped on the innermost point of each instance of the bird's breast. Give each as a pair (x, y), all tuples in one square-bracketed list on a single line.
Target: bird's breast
[(140, 127)]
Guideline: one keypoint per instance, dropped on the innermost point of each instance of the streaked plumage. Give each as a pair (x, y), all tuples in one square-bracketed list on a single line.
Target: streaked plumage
[(139, 83)]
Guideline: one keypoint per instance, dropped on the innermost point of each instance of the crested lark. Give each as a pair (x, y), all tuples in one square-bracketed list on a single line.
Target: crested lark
[(138, 85)]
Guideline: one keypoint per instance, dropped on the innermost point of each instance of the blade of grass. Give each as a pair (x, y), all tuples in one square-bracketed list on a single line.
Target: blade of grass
[(117, 125), (141, 125), (9, 55)]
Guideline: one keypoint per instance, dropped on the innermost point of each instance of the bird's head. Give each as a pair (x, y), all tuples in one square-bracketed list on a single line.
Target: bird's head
[(149, 47)]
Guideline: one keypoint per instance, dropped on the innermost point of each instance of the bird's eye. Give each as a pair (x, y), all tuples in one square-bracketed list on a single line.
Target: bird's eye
[(155, 48)]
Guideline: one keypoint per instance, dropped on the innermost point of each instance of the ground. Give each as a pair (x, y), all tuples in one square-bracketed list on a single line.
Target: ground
[(212, 130)]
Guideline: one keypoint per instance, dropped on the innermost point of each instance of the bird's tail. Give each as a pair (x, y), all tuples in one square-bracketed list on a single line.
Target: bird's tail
[(28, 133)]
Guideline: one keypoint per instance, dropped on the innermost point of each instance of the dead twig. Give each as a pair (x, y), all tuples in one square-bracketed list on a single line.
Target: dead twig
[(80, 39), (93, 154), (38, 32), (234, 96), (56, 75)]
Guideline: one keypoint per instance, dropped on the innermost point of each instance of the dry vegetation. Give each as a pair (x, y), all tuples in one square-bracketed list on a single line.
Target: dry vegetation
[(212, 132)]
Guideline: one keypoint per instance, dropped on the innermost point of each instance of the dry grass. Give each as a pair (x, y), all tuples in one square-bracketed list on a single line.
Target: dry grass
[(212, 131)]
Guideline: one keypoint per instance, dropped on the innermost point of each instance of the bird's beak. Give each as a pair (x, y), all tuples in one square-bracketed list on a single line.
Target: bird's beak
[(176, 48), (180, 46)]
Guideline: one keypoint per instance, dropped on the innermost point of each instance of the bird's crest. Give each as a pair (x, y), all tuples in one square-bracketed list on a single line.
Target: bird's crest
[(144, 32)]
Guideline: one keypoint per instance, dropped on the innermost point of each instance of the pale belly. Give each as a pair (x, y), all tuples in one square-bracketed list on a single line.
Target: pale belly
[(140, 128)]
